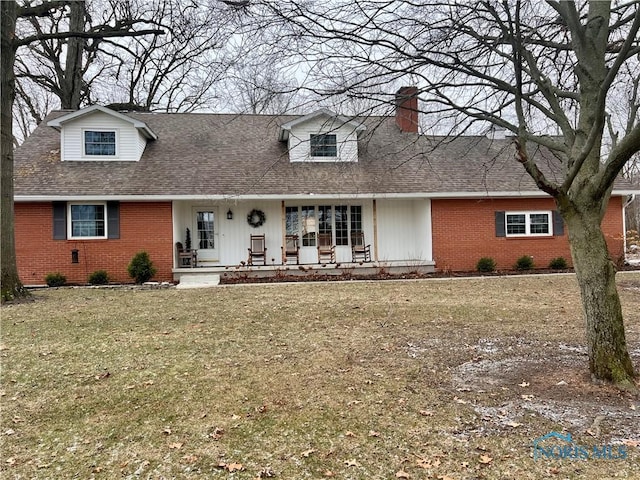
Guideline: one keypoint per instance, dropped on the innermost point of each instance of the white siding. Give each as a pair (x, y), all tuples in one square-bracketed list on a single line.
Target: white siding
[(142, 143), (128, 139), (347, 140), (233, 235), (404, 230)]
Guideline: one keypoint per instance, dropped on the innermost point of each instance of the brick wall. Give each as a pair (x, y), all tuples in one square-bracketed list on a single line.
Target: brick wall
[(143, 226), (464, 231)]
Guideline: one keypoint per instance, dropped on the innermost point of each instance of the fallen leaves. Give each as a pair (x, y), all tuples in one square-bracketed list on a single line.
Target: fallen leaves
[(216, 433), (176, 445), (231, 467), (630, 443), (351, 463), (190, 458), (427, 463), (485, 459), (266, 472), (306, 453), (402, 474)]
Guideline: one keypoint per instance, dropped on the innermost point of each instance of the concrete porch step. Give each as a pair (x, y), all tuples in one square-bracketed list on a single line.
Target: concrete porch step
[(198, 280)]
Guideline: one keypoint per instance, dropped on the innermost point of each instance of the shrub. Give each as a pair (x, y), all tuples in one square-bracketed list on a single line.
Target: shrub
[(525, 262), (486, 264), (55, 279), (558, 263), (99, 277), (141, 267)]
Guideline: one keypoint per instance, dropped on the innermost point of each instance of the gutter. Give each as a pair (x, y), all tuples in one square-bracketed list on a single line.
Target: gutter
[(300, 196)]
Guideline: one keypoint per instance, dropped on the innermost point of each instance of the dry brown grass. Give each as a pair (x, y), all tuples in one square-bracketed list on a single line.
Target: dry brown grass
[(437, 379)]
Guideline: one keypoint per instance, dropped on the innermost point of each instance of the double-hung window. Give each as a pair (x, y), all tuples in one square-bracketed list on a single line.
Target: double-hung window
[(324, 145), (100, 143), (87, 220), (526, 224)]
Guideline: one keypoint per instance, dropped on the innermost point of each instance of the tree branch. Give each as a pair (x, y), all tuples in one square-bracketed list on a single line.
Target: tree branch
[(103, 34)]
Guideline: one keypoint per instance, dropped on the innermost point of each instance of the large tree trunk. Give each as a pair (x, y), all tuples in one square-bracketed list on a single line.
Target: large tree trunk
[(11, 285), (609, 359), (72, 82)]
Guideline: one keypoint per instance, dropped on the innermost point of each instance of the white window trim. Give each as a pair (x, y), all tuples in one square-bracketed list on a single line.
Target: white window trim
[(70, 229), (324, 158), (527, 219), (316, 208), (100, 157)]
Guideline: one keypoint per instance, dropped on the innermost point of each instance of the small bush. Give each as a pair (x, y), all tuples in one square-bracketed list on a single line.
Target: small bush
[(525, 262), (558, 264), (99, 277), (141, 267), (486, 264), (55, 279)]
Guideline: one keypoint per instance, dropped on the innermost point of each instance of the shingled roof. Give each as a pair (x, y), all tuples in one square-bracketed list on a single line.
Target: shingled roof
[(225, 155)]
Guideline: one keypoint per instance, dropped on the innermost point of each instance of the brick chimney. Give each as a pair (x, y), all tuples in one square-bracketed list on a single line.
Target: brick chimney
[(407, 109)]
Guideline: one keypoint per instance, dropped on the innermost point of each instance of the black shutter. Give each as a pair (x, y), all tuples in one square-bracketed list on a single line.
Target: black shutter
[(113, 219), (558, 223), (59, 220), (501, 230)]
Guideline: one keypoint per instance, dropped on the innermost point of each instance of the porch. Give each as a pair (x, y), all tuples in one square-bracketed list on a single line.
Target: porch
[(397, 233)]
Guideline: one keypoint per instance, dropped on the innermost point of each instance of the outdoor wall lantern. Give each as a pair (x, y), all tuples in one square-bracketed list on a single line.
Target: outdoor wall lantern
[(74, 256), (229, 215)]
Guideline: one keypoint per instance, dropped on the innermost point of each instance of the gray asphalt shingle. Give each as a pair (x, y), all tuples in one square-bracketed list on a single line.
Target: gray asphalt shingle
[(230, 155)]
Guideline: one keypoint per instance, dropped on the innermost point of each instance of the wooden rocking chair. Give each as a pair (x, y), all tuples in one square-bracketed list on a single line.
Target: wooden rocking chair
[(326, 250), (291, 249), (186, 257), (359, 251), (258, 249)]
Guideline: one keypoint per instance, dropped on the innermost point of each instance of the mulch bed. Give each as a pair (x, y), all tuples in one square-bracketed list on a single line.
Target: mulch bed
[(240, 278)]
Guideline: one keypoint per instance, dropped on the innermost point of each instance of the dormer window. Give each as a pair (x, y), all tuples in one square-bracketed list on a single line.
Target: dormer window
[(100, 143), (324, 145), (315, 137)]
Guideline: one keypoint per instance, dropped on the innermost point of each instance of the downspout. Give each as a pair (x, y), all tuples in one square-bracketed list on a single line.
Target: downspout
[(375, 230), (630, 199), (283, 216)]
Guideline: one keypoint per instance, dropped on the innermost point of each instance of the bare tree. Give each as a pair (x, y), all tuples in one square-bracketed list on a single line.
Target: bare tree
[(256, 85), (172, 72), (545, 71), (10, 41), (175, 72)]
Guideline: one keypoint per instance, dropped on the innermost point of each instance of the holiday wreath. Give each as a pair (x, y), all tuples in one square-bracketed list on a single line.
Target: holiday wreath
[(256, 218)]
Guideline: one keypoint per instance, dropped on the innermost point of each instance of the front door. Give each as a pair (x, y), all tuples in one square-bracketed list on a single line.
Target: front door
[(206, 234)]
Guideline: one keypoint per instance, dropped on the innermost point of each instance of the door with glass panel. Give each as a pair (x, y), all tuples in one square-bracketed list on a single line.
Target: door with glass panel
[(204, 236)]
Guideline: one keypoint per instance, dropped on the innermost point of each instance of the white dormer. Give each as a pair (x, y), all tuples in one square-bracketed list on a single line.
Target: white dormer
[(99, 133), (322, 136)]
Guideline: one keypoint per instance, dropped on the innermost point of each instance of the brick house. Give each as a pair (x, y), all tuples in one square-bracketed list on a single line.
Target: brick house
[(95, 186)]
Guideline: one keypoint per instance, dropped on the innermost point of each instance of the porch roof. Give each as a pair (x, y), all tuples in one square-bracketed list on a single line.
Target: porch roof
[(226, 156)]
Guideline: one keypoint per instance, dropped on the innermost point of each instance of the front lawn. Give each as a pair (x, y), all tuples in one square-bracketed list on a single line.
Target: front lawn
[(432, 379)]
